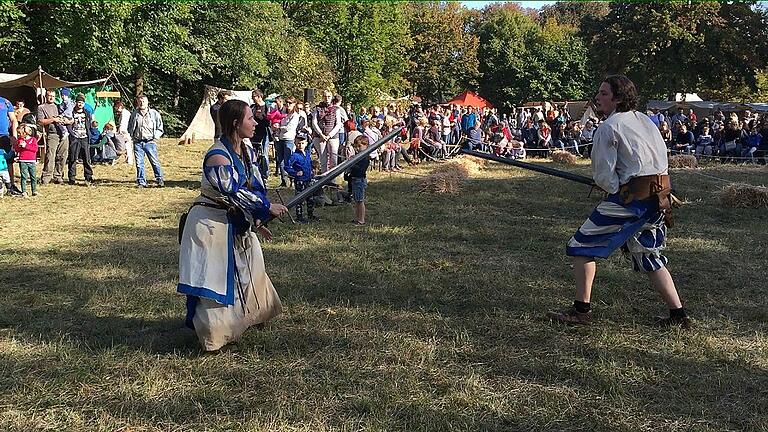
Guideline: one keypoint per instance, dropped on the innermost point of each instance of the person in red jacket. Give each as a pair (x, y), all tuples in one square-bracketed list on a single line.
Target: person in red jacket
[(26, 149)]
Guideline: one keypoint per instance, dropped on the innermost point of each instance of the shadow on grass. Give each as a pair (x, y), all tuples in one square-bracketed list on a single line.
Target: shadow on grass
[(456, 283)]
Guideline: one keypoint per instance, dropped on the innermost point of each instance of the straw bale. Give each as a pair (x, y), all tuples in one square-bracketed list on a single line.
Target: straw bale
[(744, 196), (683, 161), (440, 183), (563, 157), (447, 177)]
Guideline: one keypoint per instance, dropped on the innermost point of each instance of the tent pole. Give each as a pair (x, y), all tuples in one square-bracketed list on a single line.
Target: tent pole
[(40, 80)]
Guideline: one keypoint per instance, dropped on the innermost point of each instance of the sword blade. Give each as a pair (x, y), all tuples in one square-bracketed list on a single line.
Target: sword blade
[(533, 167), (339, 169)]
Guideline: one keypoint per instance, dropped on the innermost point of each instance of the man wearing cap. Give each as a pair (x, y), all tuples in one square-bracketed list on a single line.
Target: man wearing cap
[(79, 147), (145, 128)]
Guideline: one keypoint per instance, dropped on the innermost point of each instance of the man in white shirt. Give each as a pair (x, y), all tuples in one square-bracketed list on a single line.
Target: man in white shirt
[(629, 162)]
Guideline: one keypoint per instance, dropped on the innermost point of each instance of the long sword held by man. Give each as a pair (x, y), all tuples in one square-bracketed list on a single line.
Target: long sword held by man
[(533, 167)]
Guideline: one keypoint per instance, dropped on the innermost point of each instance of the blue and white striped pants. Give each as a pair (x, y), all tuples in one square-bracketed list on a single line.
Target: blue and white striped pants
[(638, 225)]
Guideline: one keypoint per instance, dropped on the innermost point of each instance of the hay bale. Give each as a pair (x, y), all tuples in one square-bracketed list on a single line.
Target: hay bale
[(744, 196), (453, 169), (440, 183), (563, 157), (473, 165), (683, 161), (446, 178)]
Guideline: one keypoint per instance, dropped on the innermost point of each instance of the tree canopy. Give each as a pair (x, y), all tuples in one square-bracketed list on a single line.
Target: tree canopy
[(367, 50)]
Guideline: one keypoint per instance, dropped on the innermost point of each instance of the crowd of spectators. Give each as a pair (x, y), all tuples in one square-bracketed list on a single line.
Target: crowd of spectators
[(736, 136), (68, 135), (64, 134)]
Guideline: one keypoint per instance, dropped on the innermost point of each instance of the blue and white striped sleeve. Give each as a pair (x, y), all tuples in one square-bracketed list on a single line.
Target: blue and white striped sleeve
[(222, 178)]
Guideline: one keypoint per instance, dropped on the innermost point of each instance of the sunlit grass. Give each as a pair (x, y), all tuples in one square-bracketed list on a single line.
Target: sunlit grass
[(428, 318)]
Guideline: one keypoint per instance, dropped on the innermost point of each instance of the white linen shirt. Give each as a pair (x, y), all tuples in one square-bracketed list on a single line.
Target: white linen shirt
[(626, 145)]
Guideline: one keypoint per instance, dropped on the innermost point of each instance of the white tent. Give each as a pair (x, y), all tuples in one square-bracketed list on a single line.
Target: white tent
[(201, 126), (687, 97)]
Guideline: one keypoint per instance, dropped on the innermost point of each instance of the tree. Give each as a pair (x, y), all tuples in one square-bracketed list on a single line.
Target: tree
[(573, 14), (680, 47), (366, 44), (66, 43), (15, 36), (521, 61), (443, 60)]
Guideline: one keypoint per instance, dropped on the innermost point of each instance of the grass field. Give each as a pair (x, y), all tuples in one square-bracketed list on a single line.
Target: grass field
[(430, 318)]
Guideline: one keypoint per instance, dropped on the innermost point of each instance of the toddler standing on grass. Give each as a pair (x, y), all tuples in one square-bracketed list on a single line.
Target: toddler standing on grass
[(26, 149), (299, 166), (357, 180)]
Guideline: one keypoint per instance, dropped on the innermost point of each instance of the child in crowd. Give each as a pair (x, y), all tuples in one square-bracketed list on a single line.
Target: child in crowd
[(26, 149), (5, 177), (299, 166), (94, 134), (752, 143), (358, 181), (704, 143)]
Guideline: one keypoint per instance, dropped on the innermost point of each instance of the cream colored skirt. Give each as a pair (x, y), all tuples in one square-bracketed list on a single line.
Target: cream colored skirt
[(256, 300)]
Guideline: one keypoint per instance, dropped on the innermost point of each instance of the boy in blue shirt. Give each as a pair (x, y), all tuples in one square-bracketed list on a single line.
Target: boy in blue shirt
[(299, 166), (358, 181)]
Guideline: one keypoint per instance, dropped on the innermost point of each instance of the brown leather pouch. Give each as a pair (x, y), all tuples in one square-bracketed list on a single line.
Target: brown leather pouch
[(654, 186)]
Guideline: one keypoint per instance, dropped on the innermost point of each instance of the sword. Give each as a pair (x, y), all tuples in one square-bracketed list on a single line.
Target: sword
[(329, 176), (533, 167)]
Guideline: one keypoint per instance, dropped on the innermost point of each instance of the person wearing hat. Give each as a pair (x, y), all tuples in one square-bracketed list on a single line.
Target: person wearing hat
[(79, 145)]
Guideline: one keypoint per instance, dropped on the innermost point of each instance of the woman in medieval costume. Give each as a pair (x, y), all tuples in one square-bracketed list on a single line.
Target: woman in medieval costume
[(221, 265)]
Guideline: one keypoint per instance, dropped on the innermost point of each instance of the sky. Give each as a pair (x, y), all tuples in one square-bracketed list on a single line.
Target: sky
[(530, 4)]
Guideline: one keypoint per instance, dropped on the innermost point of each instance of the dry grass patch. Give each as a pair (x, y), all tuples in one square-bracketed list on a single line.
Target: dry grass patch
[(564, 157), (683, 161), (744, 196), (446, 178)]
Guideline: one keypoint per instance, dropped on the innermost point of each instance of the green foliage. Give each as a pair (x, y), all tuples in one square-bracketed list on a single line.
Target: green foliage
[(443, 60), (366, 44), (521, 61), (76, 39), (574, 13), (674, 47), (15, 35)]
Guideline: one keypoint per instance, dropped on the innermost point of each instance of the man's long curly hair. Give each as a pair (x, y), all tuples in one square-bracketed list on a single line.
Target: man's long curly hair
[(624, 92)]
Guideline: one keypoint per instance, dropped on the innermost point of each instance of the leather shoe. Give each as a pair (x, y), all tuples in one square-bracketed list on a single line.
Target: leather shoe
[(684, 323), (570, 316)]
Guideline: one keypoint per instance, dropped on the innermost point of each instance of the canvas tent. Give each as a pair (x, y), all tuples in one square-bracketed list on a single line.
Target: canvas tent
[(469, 98), (578, 110), (201, 126), (28, 87), (704, 108)]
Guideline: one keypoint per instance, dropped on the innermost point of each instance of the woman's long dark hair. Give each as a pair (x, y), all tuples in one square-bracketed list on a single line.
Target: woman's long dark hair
[(231, 115), (231, 111)]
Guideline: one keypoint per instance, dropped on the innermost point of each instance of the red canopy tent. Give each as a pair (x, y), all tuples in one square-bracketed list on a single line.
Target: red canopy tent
[(470, 98)]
